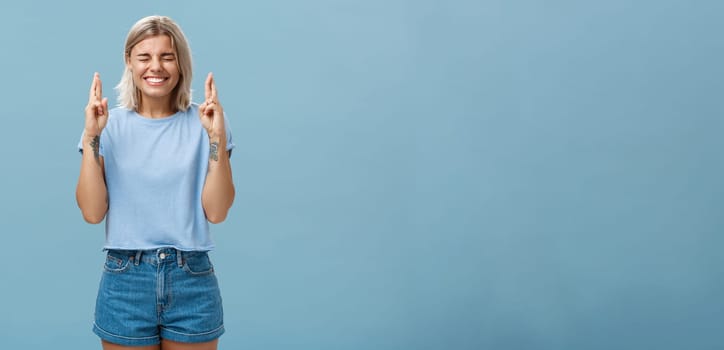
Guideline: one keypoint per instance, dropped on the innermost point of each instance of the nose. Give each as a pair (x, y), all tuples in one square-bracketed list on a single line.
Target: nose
[(155, 64)]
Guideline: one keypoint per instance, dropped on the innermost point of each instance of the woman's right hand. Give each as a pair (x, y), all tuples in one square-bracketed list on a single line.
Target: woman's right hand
[(96, 112)]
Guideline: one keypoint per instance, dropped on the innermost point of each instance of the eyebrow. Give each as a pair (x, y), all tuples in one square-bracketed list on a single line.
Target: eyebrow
[(165, 54)]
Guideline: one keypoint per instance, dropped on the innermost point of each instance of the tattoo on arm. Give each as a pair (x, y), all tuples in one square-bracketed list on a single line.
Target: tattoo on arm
[(214, 151), (96, 144)]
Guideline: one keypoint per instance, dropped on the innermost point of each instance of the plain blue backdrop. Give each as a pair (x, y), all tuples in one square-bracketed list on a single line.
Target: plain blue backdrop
[(410, 174)]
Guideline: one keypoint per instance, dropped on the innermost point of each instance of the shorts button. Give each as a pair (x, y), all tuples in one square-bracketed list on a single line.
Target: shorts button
[(162, 256)]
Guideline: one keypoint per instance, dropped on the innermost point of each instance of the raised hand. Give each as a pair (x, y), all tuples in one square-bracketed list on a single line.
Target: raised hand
[(96, 112), (211, 112), (218, 192)]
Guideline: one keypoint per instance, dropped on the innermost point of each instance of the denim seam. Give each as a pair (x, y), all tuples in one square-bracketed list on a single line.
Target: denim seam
[(187, 268), (120, 336), (123, 268), (200, 273), (195, 334), (160, 290)]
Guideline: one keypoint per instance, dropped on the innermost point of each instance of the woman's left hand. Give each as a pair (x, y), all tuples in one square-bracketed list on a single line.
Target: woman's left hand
[(211, 112)]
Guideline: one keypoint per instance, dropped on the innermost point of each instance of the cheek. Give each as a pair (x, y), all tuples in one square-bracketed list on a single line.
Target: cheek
[(136, 70), (137, 76), (172, 69)]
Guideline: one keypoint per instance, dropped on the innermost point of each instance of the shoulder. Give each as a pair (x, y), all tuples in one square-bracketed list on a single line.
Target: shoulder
[(117, 118), (190, 114), (116, 115)]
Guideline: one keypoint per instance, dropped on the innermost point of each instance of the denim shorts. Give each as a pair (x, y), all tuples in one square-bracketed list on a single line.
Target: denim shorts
[(149, 295)]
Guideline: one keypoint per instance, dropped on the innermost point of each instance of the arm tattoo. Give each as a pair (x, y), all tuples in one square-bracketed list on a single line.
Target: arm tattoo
[(95, 144), (214, 151)]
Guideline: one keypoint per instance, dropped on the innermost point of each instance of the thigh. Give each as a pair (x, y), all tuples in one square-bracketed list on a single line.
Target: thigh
[(111, 346), (172, 345)]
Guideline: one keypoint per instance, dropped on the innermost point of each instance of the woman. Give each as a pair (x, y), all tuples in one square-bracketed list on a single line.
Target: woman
[(157, 169)]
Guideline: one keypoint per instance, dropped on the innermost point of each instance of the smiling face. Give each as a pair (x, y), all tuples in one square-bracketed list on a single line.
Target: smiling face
[(155, 70)]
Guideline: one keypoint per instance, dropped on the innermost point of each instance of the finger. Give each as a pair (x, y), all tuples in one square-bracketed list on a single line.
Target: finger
[(99, 88), (213, 90), (92, 92), (104, 103), (204, 109), (98, 108), (207, 88), (209, 110)]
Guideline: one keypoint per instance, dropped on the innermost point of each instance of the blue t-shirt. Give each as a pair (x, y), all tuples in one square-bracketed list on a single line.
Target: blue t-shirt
[(155, 172)]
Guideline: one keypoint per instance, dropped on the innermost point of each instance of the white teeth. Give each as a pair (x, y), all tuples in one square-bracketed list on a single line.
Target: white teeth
[(154, 80)]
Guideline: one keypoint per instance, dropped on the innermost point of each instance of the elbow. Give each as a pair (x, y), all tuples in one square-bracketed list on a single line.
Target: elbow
[(91, 214), (93, 218), (216, 218), (216, 212), (93, 211), (217, 215)]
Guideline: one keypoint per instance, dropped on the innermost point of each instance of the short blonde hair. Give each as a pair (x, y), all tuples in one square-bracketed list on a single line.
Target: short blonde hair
[(128, 93)]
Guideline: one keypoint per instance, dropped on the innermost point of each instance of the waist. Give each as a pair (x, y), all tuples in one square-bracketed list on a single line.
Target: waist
[(156, 256)]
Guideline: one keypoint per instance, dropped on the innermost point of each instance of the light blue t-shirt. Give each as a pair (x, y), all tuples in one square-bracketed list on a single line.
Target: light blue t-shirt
[(155, 171)]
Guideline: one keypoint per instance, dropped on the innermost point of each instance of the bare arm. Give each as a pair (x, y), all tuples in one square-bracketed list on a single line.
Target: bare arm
[(91, 193), (218, 192)]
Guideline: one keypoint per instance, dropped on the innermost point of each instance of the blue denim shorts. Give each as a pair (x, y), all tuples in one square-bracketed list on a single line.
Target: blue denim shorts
[(147, 295)]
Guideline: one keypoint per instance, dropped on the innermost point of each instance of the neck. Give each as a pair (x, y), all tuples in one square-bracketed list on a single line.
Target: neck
[(155, 108)]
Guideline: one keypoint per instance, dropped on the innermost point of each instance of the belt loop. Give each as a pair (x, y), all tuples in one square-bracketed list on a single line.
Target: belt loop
[(137, 259), (179, 258)]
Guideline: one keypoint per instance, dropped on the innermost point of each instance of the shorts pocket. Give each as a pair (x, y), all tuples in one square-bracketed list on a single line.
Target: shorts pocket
[(116, 263), (197, 264)]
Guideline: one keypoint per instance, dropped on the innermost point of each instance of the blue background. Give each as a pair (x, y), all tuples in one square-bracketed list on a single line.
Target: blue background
[(410, 174)]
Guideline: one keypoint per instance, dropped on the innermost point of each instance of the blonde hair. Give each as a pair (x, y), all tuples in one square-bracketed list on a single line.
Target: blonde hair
[(128, 92)]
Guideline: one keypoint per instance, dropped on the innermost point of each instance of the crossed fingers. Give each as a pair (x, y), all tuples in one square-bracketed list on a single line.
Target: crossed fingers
[(95, 98)]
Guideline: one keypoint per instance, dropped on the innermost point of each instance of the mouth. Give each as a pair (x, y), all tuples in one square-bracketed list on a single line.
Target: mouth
[(155, 81)]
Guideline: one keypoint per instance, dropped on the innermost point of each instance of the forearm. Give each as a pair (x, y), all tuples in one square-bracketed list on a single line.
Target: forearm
[(91, 193), (218, 192)]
